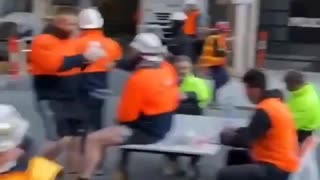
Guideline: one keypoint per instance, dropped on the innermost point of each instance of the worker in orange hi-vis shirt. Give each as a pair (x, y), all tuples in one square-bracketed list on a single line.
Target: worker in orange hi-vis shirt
[(146, 108), (193, 13), (55, 67), (94, 86)]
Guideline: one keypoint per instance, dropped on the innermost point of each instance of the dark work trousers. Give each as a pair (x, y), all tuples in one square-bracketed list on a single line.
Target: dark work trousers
[(303, 135), (241, 167), (220, 76)]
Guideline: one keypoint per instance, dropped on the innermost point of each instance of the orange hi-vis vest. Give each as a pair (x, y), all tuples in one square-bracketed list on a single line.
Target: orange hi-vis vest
[(190, 26), (39, 169), (112, 48), (280, 145), (209, 55), (149, 91), (48, 53)]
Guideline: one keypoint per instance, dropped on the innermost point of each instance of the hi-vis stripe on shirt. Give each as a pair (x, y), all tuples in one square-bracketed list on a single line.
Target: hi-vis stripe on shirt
[(304, 22)]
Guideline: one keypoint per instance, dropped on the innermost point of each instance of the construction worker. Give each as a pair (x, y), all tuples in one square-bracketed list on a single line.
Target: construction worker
[(304, 103), (196, 94), (146, 106), (270, 136), (54, 64), (94, 85), (15, 149), (193, 16), (214, 59), (180, 43)]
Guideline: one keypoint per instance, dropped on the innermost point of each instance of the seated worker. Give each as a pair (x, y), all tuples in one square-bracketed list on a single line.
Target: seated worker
[(214, 58), (146, 107), (196, 94), (304, 103), (270, 136), (16, 150)]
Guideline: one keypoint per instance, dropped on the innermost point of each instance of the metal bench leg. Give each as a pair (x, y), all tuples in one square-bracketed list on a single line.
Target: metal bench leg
[(122, 172), (195, 171)]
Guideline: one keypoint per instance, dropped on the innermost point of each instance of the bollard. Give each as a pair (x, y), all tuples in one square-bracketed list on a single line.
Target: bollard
[(13, 44), (262, 49)]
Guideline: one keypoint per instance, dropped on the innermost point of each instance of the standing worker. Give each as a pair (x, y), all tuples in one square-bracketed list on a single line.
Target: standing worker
[(214, 58), (54, 64), (146, 107), (304, 103), (270, 137), (94, 85), (193, 17), (180, 43)]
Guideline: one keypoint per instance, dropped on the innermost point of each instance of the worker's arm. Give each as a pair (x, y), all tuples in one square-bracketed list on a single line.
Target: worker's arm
[(42, 55), (244, 137), (130, 103), (204, 92)]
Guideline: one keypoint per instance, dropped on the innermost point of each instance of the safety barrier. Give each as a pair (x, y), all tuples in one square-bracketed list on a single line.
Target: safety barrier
[(262, 49), (18, 65)]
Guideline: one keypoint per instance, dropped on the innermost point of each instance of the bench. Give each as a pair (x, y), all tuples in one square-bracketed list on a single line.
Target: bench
[(181, 140)]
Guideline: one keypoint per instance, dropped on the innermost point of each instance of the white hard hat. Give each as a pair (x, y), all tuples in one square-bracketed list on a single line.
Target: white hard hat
[(12, 127), (190, 2), (178, 16), (90, 19), (149, 44)]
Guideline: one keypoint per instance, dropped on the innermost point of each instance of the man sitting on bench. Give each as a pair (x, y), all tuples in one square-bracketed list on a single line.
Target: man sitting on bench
[(196, 94), (146, 107), (271, 137)]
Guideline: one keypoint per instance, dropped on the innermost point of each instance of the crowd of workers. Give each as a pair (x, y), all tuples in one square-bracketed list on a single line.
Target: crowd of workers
[(70, 79)]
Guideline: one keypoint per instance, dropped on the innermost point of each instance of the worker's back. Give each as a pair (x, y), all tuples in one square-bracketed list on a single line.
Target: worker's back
[(214, 51), (149, 99)]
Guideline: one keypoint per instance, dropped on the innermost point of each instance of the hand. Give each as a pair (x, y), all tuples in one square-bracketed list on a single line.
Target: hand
[(183, 96), (94, 52), (227, 135)]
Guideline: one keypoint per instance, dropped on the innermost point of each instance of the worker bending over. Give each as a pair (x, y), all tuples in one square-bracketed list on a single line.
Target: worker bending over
[(146, 107), (193, 16), (54, 63), (195, 95), (270, 136), (304, 103)]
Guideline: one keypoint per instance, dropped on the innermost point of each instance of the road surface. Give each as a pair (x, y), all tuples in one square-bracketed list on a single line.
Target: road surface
[(149, 166)]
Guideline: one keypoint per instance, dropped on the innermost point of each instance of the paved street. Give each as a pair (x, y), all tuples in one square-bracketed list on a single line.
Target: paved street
[(149, 165)]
